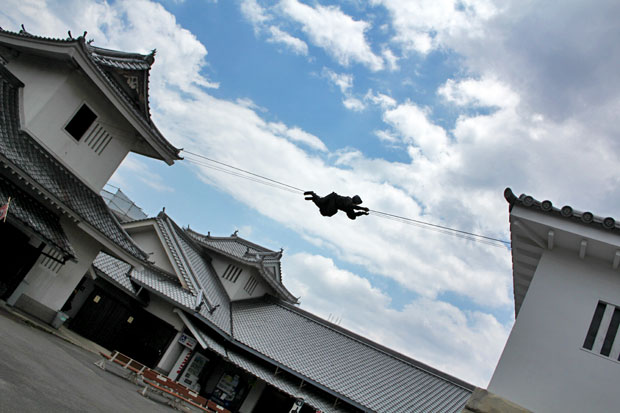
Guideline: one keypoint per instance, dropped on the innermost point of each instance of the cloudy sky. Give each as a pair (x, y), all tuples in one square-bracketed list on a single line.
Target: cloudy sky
[(427, 109)]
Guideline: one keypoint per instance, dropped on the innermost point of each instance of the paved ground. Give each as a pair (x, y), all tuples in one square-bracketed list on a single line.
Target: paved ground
[(40, 372)]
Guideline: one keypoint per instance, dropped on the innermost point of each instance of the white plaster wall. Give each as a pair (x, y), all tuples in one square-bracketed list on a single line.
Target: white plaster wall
[(52, 289), (171, 355), (253, 396), (163, 310), (543, 367), (148, 240), (235, 290), (52, 94)]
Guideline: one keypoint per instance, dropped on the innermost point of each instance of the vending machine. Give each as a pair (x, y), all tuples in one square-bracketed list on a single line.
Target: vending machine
[(191, 374)]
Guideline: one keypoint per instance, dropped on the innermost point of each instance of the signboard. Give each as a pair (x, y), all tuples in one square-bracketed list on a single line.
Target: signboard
[(188, 341)]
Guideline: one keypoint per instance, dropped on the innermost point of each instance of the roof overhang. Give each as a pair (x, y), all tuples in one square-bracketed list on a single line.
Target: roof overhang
[(533, 232), (30, 214), (76, 51)]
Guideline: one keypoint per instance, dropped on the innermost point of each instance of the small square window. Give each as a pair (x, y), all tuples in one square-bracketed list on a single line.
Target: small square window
[(80, 122)]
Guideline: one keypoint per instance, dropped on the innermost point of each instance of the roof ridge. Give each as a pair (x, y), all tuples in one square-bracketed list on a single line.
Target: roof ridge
[(234, 238), (119, 54), (566, 212)]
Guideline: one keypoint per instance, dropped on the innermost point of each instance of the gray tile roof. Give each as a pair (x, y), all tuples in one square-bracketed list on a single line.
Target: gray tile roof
[(360, 371), (198, 271), (121, 60), (114, 270), (234, 246), (177, 253), (34, 215), (164, 284), (266, 261), (566, 212), (20, 152), (112, 65), (287, 384)]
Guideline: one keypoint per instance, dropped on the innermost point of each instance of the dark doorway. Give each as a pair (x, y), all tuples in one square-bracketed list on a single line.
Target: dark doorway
[(124, 327), (17, 257), (274, 401)]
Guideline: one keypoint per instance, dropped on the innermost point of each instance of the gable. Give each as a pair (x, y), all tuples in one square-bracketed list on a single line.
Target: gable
[(240, 281), (129, 73), (147, 237)]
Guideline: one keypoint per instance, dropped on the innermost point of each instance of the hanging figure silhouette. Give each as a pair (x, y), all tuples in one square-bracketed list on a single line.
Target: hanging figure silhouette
[(330, 204)]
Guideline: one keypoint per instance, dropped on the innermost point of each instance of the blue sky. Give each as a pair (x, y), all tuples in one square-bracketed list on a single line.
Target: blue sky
[(426, 109)]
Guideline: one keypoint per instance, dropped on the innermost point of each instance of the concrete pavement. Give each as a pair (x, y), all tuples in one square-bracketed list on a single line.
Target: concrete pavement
[(42, 370)]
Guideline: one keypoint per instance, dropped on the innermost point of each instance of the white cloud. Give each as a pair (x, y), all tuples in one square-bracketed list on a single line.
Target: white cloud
[(254, 12), (133, 169), (294, 134), (298, 46), (479, 92), (391, 59), (331, 29), (383, 100), (354, 104), (343, 80), (412, 123), (424, 25)]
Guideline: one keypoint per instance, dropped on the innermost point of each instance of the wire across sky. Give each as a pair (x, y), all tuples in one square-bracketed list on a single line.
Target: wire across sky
[(206, 162)]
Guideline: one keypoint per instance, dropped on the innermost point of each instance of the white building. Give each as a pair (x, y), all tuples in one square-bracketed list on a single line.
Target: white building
[(71, 113), (562, 354)]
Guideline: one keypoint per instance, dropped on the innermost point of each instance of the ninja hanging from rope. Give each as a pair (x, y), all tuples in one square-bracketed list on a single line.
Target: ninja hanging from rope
[(330, 204)]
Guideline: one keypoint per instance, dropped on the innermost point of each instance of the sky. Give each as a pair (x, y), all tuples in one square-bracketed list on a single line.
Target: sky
[(427, 109)]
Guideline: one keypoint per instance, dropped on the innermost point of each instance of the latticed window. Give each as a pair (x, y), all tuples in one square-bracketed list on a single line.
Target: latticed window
[(601, 335), (231, 273)]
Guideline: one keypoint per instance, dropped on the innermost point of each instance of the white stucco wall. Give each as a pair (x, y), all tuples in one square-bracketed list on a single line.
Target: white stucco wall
[(543, 366), (52, 289), (147, 239), (52, 94), (236, 290), (163, 310)]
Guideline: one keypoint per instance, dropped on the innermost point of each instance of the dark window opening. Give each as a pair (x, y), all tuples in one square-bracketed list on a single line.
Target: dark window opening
[(80, 123), (594, 325), (611, 333)]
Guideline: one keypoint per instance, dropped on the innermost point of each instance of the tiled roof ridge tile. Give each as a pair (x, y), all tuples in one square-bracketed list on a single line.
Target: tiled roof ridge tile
[(122, 56), (181, 262), (566, 212), (24, 33), (368, 343), (236, 238)]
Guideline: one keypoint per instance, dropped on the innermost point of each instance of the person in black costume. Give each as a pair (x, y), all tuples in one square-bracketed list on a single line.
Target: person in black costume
[(330, 204)]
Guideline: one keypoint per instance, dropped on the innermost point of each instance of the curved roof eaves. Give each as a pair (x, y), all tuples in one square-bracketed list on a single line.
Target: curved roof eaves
[(565, 212)]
